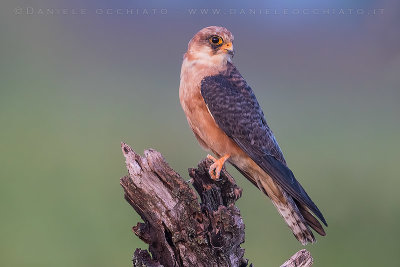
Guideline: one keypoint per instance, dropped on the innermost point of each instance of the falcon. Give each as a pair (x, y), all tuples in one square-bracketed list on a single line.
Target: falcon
[(228, 121)]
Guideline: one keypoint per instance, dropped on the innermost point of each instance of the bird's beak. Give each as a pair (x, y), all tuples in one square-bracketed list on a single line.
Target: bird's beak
[(228, 48)]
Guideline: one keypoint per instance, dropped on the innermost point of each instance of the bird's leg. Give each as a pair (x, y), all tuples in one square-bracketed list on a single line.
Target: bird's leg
[(216, 167)]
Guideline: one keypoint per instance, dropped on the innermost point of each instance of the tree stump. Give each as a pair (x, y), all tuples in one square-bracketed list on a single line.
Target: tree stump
[(179, 229)]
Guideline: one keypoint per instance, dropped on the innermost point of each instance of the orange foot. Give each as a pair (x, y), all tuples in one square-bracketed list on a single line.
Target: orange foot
[(216, 167)]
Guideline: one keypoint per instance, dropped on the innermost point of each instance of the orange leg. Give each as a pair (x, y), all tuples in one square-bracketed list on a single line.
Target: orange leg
[(216, 167)]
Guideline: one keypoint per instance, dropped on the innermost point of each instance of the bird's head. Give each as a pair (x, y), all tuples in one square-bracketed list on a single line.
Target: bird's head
[(212, 44)]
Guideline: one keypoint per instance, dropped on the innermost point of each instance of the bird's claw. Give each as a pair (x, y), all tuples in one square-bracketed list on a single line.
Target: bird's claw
[(216, 167), (211, 158)]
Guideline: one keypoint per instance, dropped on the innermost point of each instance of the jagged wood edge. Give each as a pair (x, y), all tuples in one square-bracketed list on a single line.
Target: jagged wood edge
[(164, 200)]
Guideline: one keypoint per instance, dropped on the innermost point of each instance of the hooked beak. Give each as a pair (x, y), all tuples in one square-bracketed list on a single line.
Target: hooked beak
[(228, 48)]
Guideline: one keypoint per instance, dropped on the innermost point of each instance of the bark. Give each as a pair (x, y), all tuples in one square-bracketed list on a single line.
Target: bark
[(179, 229), (301, 258)]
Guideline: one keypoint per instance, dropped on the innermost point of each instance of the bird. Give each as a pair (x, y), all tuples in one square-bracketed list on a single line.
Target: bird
[(227, 120)]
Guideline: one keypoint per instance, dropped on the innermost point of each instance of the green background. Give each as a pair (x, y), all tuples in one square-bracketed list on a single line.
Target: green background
[(72, 87)]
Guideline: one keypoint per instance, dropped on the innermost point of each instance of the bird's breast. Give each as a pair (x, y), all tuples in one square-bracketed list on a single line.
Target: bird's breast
[(210, 136)]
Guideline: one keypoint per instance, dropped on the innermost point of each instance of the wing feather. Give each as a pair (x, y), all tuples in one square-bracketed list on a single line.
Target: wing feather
[(237, 112)]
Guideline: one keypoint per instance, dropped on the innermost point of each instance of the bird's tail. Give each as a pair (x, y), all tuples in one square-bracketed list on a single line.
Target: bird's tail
[(297, 216), (289, 211), (294, 219)]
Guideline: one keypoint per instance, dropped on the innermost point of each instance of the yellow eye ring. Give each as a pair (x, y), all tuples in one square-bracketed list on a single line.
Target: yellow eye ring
[(215, 40)]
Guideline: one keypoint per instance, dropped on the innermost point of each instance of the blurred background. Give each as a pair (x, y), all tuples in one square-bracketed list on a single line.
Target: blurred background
[(77, 78)]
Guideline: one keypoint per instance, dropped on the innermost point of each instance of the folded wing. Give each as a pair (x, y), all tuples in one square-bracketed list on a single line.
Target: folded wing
[(237, 112)]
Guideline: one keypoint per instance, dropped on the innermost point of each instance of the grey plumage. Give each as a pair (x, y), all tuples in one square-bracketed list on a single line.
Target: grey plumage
[(237, 112)]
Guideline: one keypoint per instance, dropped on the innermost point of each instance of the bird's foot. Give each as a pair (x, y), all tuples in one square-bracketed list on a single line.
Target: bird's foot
[(216, 167)]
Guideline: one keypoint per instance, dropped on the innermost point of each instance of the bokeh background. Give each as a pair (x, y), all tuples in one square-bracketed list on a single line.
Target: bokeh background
[(73, 86)]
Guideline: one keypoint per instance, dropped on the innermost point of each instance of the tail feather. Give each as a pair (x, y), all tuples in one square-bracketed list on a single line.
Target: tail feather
[(294, 219), (289, 211), (297, 216), (311, 220)]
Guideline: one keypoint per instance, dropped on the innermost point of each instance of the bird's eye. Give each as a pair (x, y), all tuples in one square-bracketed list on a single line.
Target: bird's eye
[(216, 40)]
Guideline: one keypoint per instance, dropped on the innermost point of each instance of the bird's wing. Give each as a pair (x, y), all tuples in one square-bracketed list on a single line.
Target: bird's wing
[(236, 111)]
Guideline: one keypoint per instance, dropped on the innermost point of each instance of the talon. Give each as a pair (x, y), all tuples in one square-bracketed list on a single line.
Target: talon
[(216, 167), (211, 158)]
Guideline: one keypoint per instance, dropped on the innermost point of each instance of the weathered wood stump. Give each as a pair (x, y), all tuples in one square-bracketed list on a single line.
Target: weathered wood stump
[(180, 230)]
